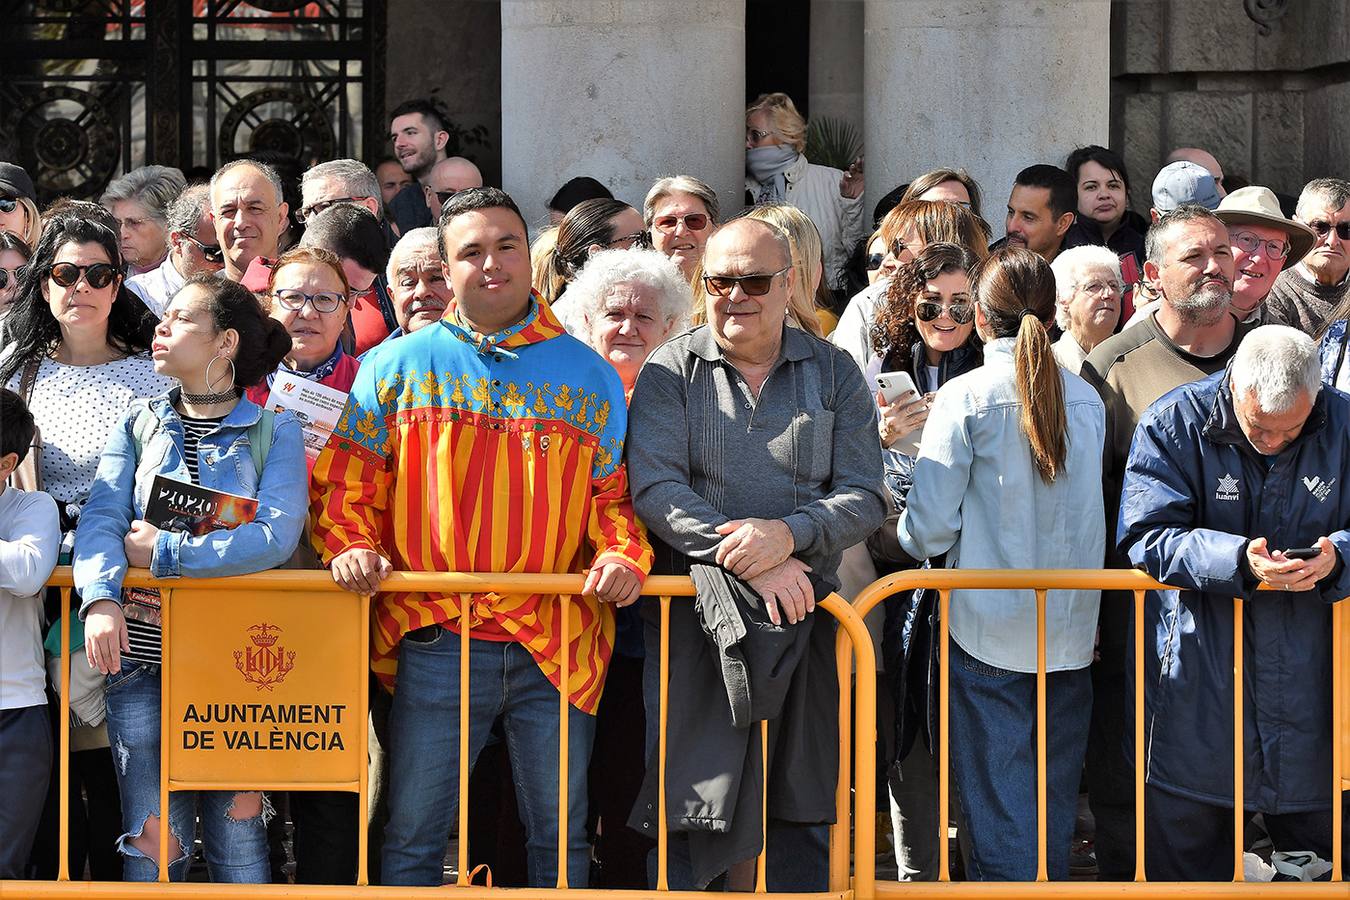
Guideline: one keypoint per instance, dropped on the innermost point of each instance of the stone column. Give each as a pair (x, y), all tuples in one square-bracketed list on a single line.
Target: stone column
[(835, 75), (624, 91), (991, 85)]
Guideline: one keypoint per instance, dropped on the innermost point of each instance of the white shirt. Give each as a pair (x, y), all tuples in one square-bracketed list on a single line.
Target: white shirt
[(30, 541), (157, 287), (815, 191)]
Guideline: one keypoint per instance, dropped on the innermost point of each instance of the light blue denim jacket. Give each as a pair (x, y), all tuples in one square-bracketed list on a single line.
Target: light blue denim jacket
[(978, 498), (224, 463)]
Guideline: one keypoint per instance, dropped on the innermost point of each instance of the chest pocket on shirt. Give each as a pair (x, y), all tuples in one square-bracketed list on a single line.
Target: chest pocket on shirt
[(812, 436)]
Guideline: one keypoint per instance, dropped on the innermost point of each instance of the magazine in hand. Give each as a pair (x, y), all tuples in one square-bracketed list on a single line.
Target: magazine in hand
[(317, 406), (179, 506)]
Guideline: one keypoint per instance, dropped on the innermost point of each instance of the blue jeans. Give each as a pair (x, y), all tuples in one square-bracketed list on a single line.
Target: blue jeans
[(235, 849), (993, 745), (424, 755)]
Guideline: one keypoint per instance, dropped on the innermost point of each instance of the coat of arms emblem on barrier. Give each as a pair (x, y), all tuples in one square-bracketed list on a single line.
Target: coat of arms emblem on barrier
[(266, 663)]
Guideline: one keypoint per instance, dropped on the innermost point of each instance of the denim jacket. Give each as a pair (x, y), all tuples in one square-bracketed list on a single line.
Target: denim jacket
[(122, 487)]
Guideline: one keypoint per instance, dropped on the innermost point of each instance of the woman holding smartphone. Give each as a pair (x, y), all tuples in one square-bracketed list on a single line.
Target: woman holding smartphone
[(215, 341)]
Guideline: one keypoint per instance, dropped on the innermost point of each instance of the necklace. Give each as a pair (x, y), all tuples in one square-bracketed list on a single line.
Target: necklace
[(209, 399)]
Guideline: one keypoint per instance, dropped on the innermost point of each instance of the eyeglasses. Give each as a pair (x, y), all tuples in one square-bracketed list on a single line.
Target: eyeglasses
[(928, 310), (752, 285), (444, 196), (7, 204), (693, 222), (898, 247), (874, 261), (638, 238), (305, 213), (98, 275), (1250, 243), (210, 252), (324, 301), (1102, 287), (755, 136), (9, 278), (1342, 229)]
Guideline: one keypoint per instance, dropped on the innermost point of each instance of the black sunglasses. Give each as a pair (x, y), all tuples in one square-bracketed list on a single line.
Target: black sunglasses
[(753, 285), (98, 275), (443, 196), (927, 311), (874, 261), (1342, 229), (9, 277), (210, 252), (7, 204)]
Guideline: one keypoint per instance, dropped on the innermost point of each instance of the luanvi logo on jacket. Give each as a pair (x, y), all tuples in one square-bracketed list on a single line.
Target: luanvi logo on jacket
[(1228, 488), (1318, 488)]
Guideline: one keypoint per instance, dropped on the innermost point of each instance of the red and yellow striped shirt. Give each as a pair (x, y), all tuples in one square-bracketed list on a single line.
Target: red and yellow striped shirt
[(459, 453)]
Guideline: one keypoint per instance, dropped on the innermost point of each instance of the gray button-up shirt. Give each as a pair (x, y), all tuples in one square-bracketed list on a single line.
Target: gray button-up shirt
[(702, 450)]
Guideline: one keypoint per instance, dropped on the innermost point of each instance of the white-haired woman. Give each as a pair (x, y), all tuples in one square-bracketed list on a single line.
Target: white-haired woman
[(777, 170), (624, 304), (681, 212), (139, 200), (1088, 288)]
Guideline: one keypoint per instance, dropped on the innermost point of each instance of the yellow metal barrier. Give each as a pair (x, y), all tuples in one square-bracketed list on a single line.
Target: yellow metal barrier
[(1137, 583), (271, 588)]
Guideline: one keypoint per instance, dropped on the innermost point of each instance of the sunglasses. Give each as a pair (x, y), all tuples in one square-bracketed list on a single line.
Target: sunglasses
[(1250, 243), (1342, 229), (874, 261), (752, 285), (210, 252), (305, 213), (8, 204), (960, 313), (324, 301), (9, 278), (637, 239), (98, 275), (692, 222), (444, 196)]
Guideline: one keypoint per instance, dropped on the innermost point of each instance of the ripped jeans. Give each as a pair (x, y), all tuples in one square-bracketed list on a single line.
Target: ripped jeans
[(235, 849)]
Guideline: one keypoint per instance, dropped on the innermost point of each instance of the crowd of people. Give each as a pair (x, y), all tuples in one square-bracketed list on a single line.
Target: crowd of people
[(780, 404)]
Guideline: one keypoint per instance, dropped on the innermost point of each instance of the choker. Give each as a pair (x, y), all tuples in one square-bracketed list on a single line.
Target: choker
[(209, 399)]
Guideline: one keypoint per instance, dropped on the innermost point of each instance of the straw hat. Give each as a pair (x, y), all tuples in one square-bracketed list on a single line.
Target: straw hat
[(1256, 205)]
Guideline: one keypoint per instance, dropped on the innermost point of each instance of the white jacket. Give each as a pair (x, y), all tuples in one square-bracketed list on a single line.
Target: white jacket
[(815, 191)]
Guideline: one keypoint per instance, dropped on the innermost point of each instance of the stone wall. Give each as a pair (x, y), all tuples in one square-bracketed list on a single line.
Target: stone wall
[(1269, 100)]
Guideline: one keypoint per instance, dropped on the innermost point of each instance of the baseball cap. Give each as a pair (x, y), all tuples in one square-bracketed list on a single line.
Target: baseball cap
[(14, 182), (1181, 183)]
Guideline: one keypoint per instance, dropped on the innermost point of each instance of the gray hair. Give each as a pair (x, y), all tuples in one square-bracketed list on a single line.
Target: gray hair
[(185, 213), (1155, 242), (416, 242), (153, 187), (1331, 193), (263, 168), (355, 177), (1070, 266), (680, 184), (1276, 364), (586, 296)]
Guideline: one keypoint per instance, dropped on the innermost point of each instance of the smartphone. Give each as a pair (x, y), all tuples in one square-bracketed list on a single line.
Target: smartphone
[(1303, 553), (894, 385)]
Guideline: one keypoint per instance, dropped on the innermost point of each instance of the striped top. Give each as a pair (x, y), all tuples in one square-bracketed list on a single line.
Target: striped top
[(193, 432), (463, 453)]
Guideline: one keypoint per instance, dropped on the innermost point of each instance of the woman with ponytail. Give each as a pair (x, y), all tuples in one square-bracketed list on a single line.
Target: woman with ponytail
[(1009, 477)]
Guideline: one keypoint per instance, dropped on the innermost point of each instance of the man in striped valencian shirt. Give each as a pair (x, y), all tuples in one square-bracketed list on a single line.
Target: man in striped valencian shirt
[(490, 442)]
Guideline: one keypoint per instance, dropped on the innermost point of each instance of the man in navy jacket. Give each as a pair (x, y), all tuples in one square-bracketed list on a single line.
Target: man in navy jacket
[(1223, 476)]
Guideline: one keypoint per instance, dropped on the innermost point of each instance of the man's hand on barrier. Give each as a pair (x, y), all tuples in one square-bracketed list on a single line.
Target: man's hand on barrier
[(613, 583), (139, 543), (105, 636), (1295, 575), (360, 570), (785, 587), (751, 547)]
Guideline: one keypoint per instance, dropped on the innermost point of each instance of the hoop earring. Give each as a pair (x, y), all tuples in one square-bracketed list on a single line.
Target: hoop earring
[(210, 385)]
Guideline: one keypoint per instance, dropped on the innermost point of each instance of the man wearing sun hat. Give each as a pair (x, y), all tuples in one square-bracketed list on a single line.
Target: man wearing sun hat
[(1264, 242)]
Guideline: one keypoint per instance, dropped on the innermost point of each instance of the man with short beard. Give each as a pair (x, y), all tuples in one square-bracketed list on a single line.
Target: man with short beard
[(418, 133), (1190, 335)]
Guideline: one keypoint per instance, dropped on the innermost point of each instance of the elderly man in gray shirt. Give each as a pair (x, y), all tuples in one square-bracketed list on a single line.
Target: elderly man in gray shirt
[(752, 446)]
